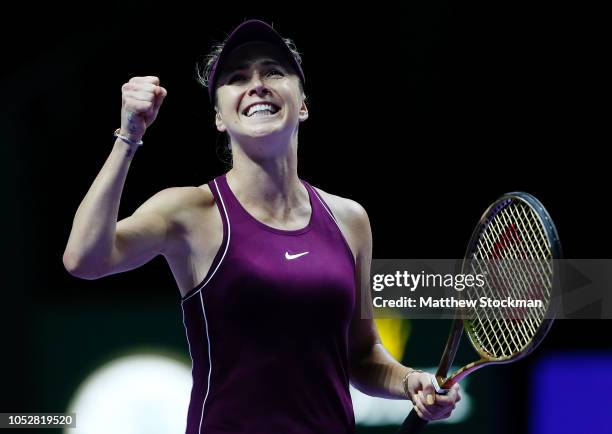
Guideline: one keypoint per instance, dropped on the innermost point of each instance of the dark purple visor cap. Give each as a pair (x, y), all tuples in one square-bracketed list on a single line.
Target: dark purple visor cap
[(250, 31)]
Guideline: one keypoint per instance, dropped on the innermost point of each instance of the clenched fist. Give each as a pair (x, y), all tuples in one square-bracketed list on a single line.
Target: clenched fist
[(141, 99)]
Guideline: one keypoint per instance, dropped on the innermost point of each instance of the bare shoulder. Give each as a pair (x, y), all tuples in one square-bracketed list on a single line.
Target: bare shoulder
[(178, 198), (177, 209), (178, 203), (352, 219), (346, 210)]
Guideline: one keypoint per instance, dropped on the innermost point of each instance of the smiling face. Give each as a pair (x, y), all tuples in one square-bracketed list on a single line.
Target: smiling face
[(259, 95)]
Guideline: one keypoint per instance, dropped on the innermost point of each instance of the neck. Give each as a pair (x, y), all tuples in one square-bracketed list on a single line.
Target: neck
[(271, 183)]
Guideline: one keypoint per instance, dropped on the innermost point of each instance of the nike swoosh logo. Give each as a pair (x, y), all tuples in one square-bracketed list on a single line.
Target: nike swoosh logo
[(297, 255)]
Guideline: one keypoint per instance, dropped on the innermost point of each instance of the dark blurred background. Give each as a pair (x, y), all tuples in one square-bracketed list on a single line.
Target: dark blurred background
[(420, 112)]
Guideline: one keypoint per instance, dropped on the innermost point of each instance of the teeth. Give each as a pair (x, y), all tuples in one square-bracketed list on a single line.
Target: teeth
[(260, 108), (261, 113)]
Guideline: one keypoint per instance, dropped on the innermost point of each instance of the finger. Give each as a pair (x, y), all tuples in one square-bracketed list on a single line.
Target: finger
[(446, 415), (440, 409), (148, 79), (457, 390), (151, 79), (451, 396), (159, 97), (429, 392), (418, 412), (140, 95), (421, 406), (445, 400), (440, 412), (417, 408), (149, 87), (413, 398)]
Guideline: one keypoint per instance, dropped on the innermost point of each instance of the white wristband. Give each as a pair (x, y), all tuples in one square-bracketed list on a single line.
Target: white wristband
[(126, 139), (434, 383)]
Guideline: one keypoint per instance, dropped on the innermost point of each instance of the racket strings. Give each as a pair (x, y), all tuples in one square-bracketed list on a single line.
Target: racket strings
[(536, 278), (513, 251), (525, 262), (511, 340), (501, 337)]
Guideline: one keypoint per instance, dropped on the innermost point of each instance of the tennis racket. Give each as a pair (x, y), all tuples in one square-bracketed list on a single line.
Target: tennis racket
[(516, 241)]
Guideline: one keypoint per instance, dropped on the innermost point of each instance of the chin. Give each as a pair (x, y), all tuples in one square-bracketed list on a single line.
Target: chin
[(264, 130)]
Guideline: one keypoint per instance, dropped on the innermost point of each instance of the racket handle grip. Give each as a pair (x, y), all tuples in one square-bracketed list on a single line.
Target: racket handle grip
[(413, 424)]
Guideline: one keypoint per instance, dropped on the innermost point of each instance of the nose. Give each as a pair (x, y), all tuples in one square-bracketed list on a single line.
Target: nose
[(257, 86)]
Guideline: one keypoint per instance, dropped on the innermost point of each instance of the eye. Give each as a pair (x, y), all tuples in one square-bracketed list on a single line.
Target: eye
[(236, 78), (275, 72)]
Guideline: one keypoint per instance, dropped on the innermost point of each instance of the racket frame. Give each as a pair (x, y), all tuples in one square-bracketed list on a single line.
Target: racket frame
[(445, 382), (441, 382)]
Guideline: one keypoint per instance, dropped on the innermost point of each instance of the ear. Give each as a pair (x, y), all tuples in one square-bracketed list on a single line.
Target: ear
[(303, 114), (219, 122)]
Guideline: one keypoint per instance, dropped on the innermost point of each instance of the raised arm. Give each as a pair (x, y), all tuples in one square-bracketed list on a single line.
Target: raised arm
[(98, 244)]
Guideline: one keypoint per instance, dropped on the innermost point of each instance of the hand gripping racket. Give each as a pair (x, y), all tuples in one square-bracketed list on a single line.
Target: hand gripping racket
[(516, 242)]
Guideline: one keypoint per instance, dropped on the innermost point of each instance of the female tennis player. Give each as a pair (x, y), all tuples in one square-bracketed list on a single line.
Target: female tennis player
[(269, 268)]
